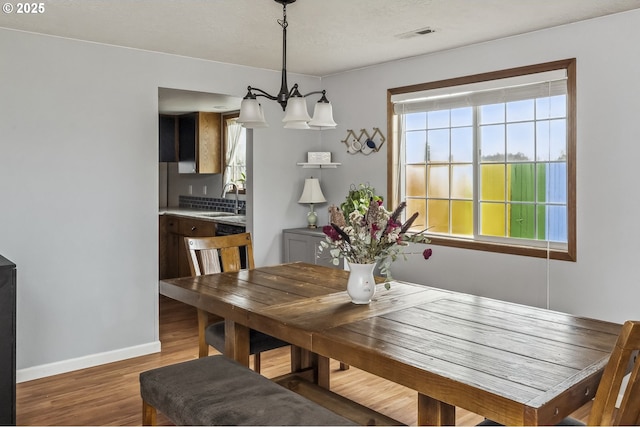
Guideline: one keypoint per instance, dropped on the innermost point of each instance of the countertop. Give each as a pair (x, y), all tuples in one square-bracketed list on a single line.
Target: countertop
[(213, 216)]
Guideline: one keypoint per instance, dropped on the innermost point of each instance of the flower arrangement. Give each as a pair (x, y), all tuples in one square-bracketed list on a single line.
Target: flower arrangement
[(369, 233)]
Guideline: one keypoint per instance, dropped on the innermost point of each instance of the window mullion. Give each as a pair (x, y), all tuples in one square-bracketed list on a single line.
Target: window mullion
[(476, 174)]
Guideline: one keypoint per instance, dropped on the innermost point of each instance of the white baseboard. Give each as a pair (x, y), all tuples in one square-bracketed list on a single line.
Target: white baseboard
[(64, 366)]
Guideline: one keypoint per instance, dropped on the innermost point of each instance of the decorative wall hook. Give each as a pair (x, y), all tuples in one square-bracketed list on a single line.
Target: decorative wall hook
[(353, 142), (364, 143)]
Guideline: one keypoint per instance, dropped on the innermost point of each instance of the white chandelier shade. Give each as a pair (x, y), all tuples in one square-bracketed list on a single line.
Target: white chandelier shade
[(296, 110), (323, 116), (251, 114)]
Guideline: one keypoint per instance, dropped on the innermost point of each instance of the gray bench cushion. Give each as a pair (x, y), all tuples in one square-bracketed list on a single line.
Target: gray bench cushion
[(217, 391)]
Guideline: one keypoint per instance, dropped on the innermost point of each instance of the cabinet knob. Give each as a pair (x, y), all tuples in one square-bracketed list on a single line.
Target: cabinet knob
[(193, 228)]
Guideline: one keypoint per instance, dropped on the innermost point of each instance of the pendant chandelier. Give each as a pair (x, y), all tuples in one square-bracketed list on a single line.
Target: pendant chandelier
[(292, 101)]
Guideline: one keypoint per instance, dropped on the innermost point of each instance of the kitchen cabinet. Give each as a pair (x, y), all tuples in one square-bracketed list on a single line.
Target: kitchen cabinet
[(200, 143), (173, 253), (8, 340), (168, 135), (301, 244)]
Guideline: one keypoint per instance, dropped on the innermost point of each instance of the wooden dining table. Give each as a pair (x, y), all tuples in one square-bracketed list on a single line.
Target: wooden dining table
[(514, 364)]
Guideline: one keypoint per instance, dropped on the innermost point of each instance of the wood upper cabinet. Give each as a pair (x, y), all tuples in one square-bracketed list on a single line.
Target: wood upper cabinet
[(200, 143)]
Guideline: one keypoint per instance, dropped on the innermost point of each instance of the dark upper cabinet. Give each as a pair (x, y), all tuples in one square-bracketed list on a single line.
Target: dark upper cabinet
[(187, 132), (168, 138), (8, 340)]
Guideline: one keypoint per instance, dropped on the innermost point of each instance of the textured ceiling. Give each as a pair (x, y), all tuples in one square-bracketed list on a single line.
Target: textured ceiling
[(324, 36)]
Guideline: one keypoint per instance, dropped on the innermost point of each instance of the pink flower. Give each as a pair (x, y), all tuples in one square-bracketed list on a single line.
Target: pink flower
[(427, 253), (331, 232), (391, 225), (374, 229)]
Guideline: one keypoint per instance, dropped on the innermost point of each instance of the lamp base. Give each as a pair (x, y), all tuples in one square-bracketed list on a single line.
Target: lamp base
[(312, 219)]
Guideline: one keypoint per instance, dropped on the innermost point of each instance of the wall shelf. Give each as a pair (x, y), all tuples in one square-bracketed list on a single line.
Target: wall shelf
[(318, 165)]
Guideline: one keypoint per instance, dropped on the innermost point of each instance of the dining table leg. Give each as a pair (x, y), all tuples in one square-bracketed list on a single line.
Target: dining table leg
[(303, 360), (300, 359), (236, 342), (432, 412), (322, 366)]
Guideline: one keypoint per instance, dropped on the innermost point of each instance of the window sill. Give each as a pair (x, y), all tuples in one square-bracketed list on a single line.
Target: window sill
[(562, 255)]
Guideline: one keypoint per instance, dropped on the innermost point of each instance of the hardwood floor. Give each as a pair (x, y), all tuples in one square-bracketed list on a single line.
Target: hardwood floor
[(109, 394)]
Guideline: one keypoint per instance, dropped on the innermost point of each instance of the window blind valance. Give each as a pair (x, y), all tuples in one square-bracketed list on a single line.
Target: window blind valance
[(529, 86)]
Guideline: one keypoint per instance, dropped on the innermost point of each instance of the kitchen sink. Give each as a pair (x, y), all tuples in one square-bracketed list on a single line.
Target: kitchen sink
[(234, 219), (216, 214)]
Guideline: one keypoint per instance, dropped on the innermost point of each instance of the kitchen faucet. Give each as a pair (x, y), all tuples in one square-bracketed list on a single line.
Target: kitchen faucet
[(236, 209)]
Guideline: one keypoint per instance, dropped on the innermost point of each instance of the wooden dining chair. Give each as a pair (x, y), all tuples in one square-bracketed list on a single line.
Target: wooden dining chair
[(209, 255), (624, 358)]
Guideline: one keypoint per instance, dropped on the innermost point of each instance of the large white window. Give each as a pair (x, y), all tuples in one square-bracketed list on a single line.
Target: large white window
[(489, 160)]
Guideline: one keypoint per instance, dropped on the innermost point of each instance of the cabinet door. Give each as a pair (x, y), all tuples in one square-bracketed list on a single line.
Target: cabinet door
[(187, 143), (191, 228), (172, 249), (298, 247), (168, 141), (304, 248), (162, 247), (209, 143)]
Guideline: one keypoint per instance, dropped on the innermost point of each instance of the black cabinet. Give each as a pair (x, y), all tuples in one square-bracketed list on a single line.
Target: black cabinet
[(168, 138), (187, 131), (8, 340)]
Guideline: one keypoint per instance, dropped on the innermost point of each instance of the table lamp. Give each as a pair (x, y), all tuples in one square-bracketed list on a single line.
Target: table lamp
[(312, 194)]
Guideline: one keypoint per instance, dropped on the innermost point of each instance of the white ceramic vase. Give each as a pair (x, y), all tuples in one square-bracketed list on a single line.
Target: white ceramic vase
[(361, 285)]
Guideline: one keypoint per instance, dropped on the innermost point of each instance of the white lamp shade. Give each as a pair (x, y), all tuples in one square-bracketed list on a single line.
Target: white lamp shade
[(312, 192), (251, 114), (323, 116), (296, 110), (296, 125)]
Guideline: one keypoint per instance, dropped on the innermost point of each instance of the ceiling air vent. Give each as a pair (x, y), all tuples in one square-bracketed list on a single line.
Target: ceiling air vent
[(416, 33)]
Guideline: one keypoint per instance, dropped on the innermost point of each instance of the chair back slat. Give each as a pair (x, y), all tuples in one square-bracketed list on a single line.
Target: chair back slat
[(630, 407), (209, 255), (209, 261), (624, 358)]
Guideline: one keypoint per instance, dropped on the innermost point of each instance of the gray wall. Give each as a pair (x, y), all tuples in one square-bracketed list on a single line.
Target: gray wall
[(79, 186), (604, 282), (79, 181)]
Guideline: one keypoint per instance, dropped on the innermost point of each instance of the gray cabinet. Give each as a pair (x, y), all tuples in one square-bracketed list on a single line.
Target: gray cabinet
[(301, 244), (8, 340)]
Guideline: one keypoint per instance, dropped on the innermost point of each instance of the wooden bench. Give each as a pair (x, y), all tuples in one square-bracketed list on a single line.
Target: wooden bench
[(341, 405), (215, 390)]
